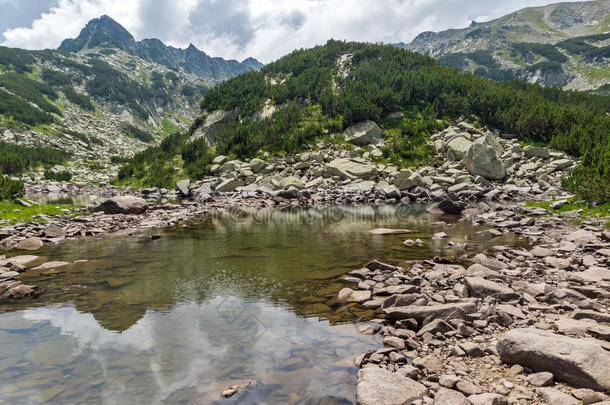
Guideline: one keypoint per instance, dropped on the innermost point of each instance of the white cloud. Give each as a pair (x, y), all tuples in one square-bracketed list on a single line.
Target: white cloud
[(265, 29)]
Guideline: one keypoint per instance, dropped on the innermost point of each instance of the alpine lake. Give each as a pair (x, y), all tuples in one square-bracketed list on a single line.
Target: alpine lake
[(249, 298)]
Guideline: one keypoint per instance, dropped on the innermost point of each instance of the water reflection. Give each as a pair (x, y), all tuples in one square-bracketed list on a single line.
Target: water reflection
[(235, 297)]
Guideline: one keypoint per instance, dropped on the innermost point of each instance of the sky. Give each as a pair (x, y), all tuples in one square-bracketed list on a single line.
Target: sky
[(264, 29)]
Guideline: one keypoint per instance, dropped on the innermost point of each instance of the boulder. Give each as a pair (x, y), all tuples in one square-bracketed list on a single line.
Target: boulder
[(213, 124), (405, 180), (257, 165), (451, 207), (578, 362), (556, 397), (364, 133), (32, 243), (377, 386), (446, 396), (350, 168), (536, 151), (182, 186), (483, 161), (480, 287), (229, 185), (122, 205), (458, 148), (492, 141), (23, 291)]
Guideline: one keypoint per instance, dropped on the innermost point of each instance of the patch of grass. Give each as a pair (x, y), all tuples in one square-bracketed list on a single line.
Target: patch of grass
[(168, 128), (12, 212), (575, 203)]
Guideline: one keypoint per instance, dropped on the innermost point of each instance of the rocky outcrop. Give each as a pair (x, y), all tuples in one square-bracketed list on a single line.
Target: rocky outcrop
[(579, 362)]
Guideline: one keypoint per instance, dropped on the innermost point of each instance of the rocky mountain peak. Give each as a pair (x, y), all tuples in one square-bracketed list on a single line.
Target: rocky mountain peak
[(101, 32)]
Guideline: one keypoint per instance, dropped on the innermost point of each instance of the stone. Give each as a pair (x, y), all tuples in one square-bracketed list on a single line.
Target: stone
[(51, 265), (541, 379), (578, 362), (394, 341), (480, 287), (122, 205), (535, 151), (430, 363), (421, 312), (483, 161), (446, 396), (377, 386), (364, 133), (488, 399), (350, 168), (229, 185), (437, 325), (182, 186), (468, 387), (451, 207), (389, 231), (360, 296), (344, 294), (588, 396), (33, 243), (23, 291), (458, 148), (257, 165), (556, 397), (582, 237)]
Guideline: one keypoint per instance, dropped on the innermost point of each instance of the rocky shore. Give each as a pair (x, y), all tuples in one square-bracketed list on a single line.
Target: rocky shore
[(508, 326)]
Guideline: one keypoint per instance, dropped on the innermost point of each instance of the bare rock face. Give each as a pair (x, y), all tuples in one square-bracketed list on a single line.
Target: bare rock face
[(578, 362), (377, 386), (122, 205)]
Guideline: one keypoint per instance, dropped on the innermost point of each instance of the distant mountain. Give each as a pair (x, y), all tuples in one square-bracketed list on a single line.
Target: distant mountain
[(563, 44), (104, 32), (104, 96)]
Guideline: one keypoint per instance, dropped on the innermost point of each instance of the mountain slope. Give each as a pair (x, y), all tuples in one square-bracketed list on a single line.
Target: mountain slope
[(104, 32), (535, 44), (317, 93), (107, 100)]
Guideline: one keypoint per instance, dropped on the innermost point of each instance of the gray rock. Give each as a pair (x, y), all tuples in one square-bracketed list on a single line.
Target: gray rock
[(488, 399), (350, 168), (420, 312), (483, 161), (480, 287), (364, 133), (182, 186), (457, 148), (446, 396), (578, 362), (541, 379), (556, 397), (535, 151), (257, 165), (377, 386), (229, 185), (122, 205), (23, 291)]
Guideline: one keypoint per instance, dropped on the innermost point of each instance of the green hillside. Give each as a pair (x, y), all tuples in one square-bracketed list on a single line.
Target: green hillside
[(316, 95)]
